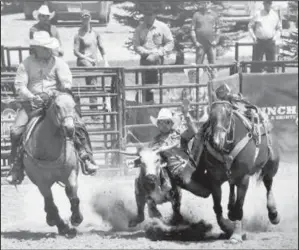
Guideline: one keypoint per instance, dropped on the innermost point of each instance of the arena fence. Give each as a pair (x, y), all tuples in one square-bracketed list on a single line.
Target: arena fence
[(104, 121), (111, 126)]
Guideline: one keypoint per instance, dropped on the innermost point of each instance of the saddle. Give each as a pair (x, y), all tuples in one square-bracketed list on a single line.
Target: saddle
[(255, 120)]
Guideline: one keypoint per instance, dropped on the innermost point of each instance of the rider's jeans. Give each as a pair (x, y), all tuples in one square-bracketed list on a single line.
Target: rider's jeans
[(17, 130)]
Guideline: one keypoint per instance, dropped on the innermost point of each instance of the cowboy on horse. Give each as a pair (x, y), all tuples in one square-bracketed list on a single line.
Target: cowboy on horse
[(39, 77)]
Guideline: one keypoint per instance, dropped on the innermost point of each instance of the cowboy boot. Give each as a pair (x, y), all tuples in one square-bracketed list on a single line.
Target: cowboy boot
[(84, 149), (16, 173)]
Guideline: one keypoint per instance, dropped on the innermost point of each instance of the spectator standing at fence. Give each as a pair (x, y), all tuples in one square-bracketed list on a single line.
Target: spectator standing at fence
[(204, 34), (43, 15), (86, 44), (265, 29), (152, 41)]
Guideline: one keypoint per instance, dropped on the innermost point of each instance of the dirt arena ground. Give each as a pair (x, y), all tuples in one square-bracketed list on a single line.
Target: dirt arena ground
[(23, 224)]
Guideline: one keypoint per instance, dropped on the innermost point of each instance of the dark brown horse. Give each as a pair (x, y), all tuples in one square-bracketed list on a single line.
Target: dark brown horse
[(50, 157), (233, 152)]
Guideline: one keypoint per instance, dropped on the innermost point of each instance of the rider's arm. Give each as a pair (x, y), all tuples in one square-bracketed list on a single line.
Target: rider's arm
[(63, 74), (21, 83), (191, 128)]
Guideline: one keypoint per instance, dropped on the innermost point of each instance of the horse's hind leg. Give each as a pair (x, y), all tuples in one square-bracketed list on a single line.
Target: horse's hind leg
[(71, 190), (268, 173), (53, 218)]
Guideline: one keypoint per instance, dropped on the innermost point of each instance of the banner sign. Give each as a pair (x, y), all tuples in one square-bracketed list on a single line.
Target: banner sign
[(277, 95)]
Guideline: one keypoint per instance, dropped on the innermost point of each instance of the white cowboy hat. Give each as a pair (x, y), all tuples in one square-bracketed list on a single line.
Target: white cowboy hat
[(43, 39), (44, 10), (164, 114)]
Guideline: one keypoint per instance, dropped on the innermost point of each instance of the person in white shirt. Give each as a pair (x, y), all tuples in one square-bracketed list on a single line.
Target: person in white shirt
[(265, 29)]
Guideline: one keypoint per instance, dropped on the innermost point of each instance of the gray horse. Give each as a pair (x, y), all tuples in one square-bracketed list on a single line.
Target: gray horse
[(50, 157)]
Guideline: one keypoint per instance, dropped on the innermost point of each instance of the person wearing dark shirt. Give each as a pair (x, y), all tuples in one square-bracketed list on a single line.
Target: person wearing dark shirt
[(204, 34), (43, 15)]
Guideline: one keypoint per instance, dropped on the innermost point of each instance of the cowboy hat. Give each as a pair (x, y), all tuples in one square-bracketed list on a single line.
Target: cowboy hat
[(43, 10), (43, 39), (164, 114)]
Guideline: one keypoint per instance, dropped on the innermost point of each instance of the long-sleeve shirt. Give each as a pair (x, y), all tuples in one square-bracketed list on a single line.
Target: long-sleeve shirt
[(265, 25), (34, 76), (157, 37), (176, 143)]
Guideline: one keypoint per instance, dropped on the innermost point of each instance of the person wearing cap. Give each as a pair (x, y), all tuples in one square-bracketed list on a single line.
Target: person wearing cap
[(265, 29), (41, 72), (43, 15), (204, 34), (86, 44), (173, 147), (152, 40)]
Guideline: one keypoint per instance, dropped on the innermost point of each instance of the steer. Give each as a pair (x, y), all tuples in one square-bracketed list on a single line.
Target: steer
[(153, 186)]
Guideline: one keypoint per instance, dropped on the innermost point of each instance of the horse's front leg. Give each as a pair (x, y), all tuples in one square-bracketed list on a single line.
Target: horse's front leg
[(225, 225), (53, 218), (237, 212), (71, 190), (231, 202)]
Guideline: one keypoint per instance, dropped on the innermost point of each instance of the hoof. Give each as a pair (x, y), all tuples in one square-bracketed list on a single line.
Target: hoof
[(226, 226), (67, 232), (76, 220), (235, 239), (231, 216), (176, 219), (135, 222), (51, 222), (274, 218)]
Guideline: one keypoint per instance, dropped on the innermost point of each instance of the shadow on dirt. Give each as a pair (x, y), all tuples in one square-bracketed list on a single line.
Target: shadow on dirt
[(27, 235)]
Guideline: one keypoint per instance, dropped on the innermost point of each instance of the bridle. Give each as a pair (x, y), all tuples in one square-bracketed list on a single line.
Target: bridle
[(227, 129), (60, 120)]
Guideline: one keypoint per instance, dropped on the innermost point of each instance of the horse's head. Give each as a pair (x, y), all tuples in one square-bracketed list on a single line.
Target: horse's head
[(62, 112), (220, 120)]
